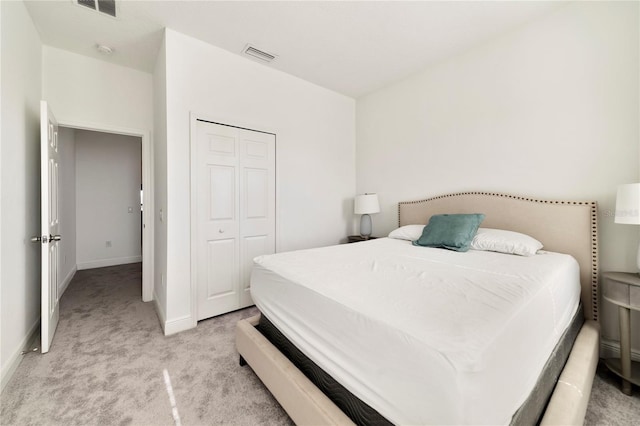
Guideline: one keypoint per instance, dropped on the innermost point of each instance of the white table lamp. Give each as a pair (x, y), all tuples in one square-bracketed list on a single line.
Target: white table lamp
[(628, 207), (365, 205)]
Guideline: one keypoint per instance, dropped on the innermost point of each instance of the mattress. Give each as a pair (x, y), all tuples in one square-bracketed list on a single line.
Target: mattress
[(422, 335)]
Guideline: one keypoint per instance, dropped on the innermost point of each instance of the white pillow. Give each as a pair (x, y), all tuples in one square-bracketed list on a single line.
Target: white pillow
[(407, 232), (505, 242)]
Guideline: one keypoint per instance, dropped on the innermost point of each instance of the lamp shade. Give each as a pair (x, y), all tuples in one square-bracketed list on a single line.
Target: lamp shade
[(366, 204), (628, 204)]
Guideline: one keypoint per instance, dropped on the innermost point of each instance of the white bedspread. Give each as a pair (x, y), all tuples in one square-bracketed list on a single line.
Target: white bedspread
[(423, 335)]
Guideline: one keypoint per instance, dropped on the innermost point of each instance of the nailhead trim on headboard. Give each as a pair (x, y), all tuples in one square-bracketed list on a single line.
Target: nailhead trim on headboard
[(594, 230), (594, 259)]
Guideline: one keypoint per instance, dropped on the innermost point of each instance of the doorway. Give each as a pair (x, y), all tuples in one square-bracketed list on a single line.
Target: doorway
[(112, 196)]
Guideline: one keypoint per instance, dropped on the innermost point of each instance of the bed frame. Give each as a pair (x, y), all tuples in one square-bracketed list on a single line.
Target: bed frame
[(563, 226)]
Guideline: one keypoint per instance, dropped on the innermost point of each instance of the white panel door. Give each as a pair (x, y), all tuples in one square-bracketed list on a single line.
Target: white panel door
[(257, 203), (217, 219), (235, 213), (50, 225)]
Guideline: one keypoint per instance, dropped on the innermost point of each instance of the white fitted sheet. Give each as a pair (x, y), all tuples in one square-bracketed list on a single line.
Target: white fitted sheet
[(423, 335)]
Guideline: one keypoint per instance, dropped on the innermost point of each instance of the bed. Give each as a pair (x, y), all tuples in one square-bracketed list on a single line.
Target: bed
[(563, 227)]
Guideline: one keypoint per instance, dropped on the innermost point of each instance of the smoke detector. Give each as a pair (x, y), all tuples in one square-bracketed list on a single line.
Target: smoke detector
[(256, 53), (104, 49)]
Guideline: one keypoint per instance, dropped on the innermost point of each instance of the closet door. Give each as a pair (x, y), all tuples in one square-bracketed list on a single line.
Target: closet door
[(235, 213), (257, 203)]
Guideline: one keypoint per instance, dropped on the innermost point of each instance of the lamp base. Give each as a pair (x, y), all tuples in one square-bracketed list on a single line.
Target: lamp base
[(365, 226)]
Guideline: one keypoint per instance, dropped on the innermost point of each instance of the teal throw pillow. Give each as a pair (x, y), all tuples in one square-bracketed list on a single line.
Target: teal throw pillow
[(450, 231)]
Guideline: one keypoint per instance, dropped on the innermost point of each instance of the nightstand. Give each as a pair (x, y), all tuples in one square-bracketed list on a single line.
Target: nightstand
[(358, 238), (623, 289)]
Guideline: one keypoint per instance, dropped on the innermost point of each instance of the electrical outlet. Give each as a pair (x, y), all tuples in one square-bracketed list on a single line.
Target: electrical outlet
[(108, 244)]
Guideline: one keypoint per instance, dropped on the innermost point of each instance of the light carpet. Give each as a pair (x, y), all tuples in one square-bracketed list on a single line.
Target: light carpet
[(108, 360), (106, 365)]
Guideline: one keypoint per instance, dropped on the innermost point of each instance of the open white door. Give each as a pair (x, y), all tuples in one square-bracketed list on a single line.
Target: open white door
[(50, 224)]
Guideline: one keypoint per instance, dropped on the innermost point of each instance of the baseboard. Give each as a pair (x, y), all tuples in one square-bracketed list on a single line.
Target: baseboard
[(159, 311), (67, 281), (14, 360), (611, 349), (102, 263), (177, 325)]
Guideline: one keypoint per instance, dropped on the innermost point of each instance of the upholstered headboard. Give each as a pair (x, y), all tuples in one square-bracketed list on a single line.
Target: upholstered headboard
[(562, 226)]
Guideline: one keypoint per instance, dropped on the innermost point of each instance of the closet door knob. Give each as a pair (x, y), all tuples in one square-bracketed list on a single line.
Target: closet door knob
[(221, 231)]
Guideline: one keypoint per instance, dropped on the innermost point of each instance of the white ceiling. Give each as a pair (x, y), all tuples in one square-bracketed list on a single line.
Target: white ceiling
[(349, 47)]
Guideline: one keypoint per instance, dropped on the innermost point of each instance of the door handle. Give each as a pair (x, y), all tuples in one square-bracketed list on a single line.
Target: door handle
[(44, 239)]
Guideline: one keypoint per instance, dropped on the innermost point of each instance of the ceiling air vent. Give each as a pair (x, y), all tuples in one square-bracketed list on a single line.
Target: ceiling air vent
[(105, 6), (258, 54)]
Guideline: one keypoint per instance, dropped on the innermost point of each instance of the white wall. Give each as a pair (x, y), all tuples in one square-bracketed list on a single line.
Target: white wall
[(80, 89), (160, 181), (551, 110), (315, 149), (108, 179), (20, 183), (67, 203)]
